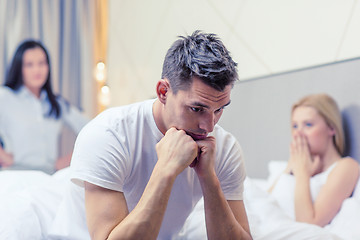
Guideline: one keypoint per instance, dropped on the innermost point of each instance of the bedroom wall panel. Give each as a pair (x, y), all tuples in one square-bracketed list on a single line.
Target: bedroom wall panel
[(259, 114)]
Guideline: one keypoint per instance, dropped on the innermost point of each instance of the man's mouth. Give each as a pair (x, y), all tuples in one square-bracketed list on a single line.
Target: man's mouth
[(197, 136)]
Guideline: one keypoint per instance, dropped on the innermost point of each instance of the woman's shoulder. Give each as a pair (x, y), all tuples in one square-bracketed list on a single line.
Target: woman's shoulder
[(348, 161), (347, 166), (6, 92)]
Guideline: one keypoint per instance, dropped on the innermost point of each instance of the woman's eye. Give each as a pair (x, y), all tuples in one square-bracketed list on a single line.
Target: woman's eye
[(294, 126), (308, 124)]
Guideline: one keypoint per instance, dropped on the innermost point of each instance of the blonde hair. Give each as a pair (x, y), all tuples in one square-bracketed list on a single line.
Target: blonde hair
[(329, 110)]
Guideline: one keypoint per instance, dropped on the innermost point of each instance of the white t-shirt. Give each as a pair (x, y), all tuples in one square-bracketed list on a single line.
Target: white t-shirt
[(116, 151), (28, 133)]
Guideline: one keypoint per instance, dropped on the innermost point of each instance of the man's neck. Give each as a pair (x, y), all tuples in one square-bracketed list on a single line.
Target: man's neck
[(157, 110)]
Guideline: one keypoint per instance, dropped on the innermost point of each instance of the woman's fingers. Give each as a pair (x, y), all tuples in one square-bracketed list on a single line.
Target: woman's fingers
[(316, 165)]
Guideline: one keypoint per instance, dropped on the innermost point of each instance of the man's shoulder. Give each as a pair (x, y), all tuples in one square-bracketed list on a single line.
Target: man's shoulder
[(115, 117), (225, 141), (221, 134)]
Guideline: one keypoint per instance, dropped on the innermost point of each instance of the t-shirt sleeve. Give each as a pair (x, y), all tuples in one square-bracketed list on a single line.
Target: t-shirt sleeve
[(99, 157), (231, 169)]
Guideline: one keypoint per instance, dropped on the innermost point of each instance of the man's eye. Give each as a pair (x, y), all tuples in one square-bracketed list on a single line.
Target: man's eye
[(219, 110), (195, 109)]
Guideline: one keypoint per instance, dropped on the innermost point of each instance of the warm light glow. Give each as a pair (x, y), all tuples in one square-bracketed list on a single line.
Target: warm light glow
[(105, 90), (100, 72), (100, 76), (100, 66), (104, 96)]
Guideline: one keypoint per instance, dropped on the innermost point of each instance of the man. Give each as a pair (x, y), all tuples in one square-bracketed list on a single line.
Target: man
[(144, 166)]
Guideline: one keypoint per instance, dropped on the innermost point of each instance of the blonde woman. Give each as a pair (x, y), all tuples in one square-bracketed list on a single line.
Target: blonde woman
[(317, 178)]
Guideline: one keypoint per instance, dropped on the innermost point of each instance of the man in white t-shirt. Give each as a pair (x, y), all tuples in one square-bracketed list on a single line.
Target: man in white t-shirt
[(140, 169)]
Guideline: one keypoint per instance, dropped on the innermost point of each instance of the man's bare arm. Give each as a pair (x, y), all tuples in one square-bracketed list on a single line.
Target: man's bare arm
[(224, 219), (108, 216), (106, 210)]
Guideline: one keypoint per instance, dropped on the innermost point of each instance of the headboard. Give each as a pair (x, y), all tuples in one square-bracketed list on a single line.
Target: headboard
[(259, 114)]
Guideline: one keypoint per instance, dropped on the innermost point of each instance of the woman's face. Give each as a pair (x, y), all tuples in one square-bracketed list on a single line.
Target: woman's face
[(35, 69), (312, 125)]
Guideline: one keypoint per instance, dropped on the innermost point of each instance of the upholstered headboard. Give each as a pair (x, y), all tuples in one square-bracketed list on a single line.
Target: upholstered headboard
[(259, 114)]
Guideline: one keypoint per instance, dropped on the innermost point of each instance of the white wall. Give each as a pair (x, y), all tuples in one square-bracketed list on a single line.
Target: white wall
[(259, 115), (264, 36)]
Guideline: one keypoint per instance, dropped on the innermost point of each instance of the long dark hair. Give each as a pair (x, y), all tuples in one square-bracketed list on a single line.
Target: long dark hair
[(14, 78)]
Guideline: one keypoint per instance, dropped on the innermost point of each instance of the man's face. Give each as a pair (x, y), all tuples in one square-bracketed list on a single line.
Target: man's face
[(197, 109)]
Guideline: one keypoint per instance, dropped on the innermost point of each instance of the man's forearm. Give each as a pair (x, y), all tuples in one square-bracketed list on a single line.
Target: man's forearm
[(144, 221), (220, 220)]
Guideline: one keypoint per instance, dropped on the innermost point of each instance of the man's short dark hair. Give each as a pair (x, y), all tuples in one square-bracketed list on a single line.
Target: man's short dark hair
[(200, 55)]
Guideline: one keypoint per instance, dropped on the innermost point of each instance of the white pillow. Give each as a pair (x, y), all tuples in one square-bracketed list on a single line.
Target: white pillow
[(357, 190), (275, 168)]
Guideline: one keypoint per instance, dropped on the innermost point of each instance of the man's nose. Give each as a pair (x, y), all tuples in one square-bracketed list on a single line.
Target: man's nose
[(207, 123)]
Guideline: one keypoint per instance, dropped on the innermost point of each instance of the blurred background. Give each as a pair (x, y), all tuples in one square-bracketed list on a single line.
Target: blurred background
[(107, 53)]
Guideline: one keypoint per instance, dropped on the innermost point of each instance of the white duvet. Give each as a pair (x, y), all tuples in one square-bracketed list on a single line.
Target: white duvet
[(29, 201), (269, 222)]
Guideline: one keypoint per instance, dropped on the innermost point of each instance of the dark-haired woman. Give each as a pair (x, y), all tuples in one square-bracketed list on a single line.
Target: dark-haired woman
[(31, 115)]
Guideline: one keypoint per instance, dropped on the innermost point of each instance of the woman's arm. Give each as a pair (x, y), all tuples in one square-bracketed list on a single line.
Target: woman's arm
[(75, 119), (339, 186), (6, 159), (63, 162)]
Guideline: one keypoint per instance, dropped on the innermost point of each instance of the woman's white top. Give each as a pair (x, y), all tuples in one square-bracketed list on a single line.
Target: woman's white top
[(29, 133), (284, 190)]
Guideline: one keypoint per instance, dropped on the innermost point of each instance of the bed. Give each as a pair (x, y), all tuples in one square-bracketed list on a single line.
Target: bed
[(268, 221), (259, 119)]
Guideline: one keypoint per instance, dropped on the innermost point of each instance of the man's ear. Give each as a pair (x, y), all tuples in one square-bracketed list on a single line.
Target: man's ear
[(162, 88)]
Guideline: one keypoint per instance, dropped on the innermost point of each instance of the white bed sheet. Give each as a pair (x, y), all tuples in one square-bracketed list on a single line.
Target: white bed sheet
[(268, 221), (28, 203), (30, 199)]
